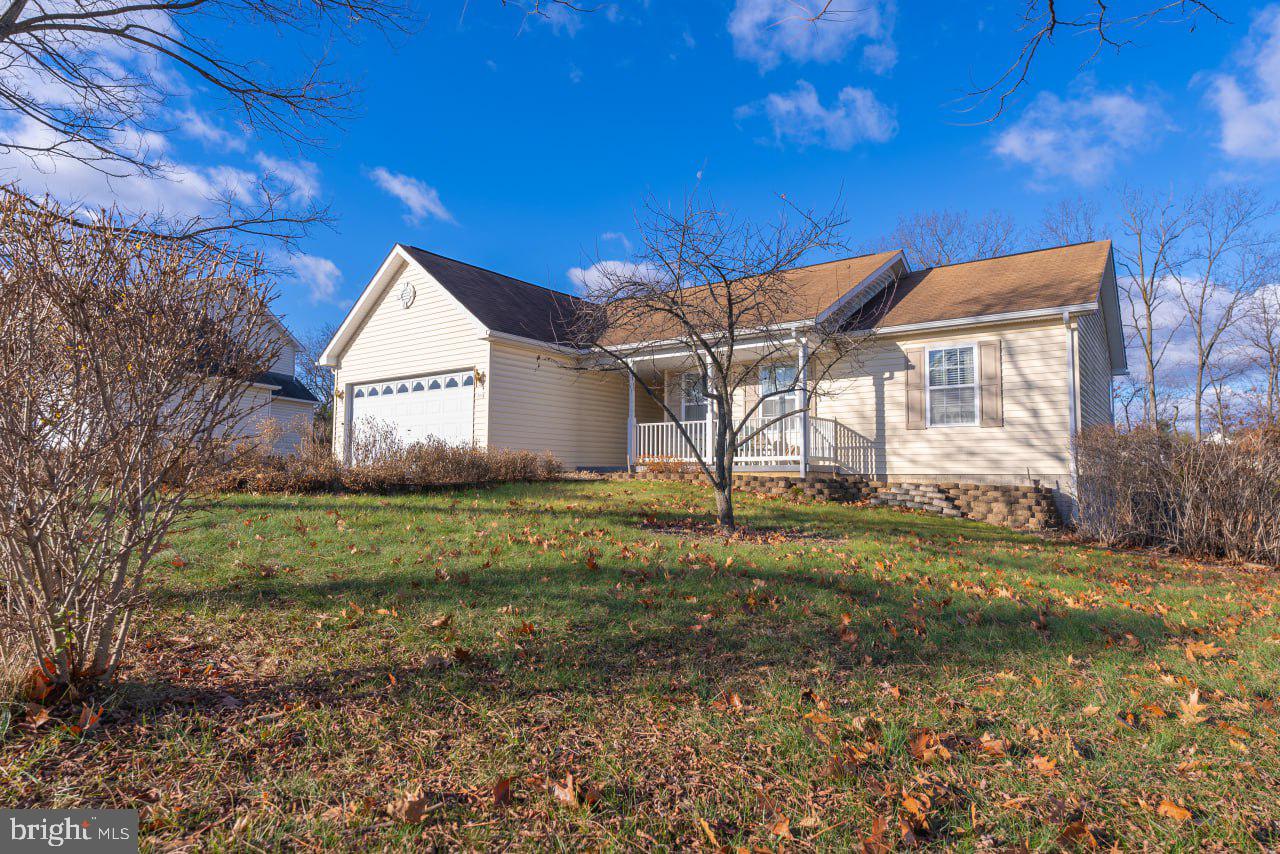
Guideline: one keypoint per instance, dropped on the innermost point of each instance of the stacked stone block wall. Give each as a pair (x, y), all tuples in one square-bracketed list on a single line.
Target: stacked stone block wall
[(1012, 506)]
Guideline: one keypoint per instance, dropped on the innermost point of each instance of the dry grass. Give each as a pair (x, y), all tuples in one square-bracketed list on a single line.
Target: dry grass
[(587, 666)]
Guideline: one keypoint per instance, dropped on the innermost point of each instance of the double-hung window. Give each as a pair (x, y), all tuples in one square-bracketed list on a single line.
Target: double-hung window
[(693, 398), (778, 391), (952, 390)]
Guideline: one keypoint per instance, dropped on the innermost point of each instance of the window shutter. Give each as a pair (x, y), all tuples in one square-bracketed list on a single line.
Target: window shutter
[(915, 388), (991, 387)]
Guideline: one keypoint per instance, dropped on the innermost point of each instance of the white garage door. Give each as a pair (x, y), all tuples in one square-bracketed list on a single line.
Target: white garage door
[(418, 409)]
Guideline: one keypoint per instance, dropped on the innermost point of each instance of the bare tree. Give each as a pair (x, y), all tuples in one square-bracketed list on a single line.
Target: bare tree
[(1153, 228), (126, 363), (934, 238), (317, 378), (1069, 221), (1107, 24), (1232, 259), (1259, 331), (720, 295)]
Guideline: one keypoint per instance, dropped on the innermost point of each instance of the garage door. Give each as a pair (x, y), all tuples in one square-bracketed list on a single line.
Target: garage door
[(437, 406)]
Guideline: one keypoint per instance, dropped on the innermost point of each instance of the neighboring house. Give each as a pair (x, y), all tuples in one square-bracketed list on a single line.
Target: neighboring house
[(978, 372), (279, 396)]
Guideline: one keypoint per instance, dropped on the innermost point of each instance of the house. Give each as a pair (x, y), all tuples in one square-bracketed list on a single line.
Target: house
[(980, 372), (278, 396)]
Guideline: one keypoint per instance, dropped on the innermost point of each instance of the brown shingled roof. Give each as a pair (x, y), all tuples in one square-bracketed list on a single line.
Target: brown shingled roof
[(813, 288), (1026, 281)]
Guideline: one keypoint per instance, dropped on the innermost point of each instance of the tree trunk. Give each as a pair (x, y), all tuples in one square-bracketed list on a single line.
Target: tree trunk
[(724, 506)]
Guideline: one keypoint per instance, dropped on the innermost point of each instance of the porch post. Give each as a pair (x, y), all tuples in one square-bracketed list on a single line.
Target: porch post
[(631, 419), (802, 379)]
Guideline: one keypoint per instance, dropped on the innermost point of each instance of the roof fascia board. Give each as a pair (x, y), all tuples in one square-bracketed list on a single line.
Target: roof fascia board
[(857, 290), (494, 335), (983, 319)]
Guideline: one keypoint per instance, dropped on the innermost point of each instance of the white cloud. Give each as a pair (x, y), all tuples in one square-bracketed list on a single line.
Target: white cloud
[(768, 31), (302, 177), (320, 275), (1248, 105), (799, 117), (421, 199), (604, 273), (618, 236), (194, 125), (1081, 138)]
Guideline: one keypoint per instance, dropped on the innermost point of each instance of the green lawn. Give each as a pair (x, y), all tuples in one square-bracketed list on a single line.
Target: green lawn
[(311, 661)]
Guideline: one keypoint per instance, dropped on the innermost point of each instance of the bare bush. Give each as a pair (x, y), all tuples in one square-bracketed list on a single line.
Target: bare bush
[(382, 464), (1212, 499), (126, 360)]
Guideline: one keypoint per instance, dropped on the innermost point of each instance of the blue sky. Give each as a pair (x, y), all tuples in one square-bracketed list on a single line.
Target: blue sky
[(527, 145)]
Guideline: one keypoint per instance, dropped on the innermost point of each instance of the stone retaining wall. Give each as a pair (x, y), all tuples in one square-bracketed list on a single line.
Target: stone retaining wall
[(1012, 506)]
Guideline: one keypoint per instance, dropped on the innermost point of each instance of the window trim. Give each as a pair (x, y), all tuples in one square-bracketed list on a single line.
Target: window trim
[(976, 385)]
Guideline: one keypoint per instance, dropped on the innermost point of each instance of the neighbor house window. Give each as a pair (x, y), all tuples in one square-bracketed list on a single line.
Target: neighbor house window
[(953, 392), (778, 391), (693, 398)]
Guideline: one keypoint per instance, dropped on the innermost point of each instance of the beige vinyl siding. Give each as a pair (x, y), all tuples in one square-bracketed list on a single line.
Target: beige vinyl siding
[(539, 402), (867, 393), (1095, 371), (649, 410), (434, 335)]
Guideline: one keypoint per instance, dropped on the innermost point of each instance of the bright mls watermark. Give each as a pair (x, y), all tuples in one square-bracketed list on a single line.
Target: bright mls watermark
[(98, 831)]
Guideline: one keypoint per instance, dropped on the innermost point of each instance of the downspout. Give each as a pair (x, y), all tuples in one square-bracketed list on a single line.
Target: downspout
[(1072, 393)]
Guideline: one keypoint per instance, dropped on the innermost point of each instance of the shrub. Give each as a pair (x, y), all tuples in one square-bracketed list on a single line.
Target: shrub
[(669, 465), (381, 464), (1212, 499)]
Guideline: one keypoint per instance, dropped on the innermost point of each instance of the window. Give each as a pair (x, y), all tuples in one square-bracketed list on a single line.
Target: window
[(452, 383), (468, 380), (775, 378), (403, 388), (418, 386), (359, 392), (435, 384), (388, 390), (952, 390), (373, 392), (693, 398)]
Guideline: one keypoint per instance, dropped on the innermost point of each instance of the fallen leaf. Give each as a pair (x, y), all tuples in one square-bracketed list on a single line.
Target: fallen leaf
[(1090, 711), (502, 792), (37, 715), (781, 828), (413, 807), (1044, 765), (1169, 809), (1192, 709)]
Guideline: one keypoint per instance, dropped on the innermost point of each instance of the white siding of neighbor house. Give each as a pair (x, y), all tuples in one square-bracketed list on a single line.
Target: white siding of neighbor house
[(294, 417), (868, 394), (1095, 371), (434, 335), (286, 361), (539, 402)]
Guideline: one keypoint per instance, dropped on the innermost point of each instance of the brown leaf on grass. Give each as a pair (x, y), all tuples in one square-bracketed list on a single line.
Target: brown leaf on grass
[(36, 717), (993, 746), (1192, 710), (877, 842), (502, 791), (927, 747), (412, 807), (1202, 649), (574, 793), (89, 718), (1169, 809), (1044, 765), (441, 621), (1078, 833), (38, 685), (728, 701), (711, 834), (781, 828), (1090, 711)]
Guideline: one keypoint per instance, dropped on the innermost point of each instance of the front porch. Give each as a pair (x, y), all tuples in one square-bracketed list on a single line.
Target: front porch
[(800, 443)]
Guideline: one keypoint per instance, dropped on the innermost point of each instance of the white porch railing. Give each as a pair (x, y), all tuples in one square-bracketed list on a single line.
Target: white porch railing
[(830, 443)]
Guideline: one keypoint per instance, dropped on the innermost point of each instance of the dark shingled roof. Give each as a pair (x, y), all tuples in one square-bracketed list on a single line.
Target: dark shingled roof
[(289, 386), (502, 303)]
